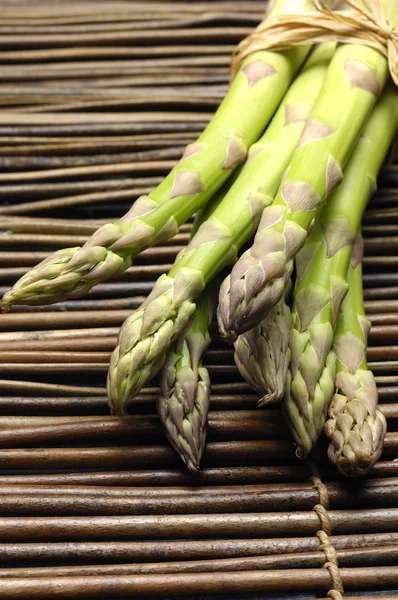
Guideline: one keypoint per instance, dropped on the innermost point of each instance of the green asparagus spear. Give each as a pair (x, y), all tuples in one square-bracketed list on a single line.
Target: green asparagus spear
[(185, 387), (355, 427), (321, 279), (262, 354), (355, 78), (146, 336), (247, 108)]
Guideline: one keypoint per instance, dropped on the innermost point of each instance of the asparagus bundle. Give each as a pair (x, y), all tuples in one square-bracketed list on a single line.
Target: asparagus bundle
[(321, 280), (355, 427), (147, 334), (262, 354), (355, 78), (185, 387), (247, 108)]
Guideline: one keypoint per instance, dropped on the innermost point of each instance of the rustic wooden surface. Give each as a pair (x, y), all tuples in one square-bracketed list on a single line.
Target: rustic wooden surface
[(97, 101)]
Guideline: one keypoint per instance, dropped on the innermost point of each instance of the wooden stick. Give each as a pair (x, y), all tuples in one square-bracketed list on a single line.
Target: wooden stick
[(229, 426), (186, 503), (52, 388), (87, 129), (141, 73), (199, 35), (58, 334), (128, 167), (37, 55), (123, 551), (193, 491), (59, 189), (187, 526), (25, 224), (51, 162), (385, 306), (161, 492), (174, 21), (47, 320), (14, 118), (382, 243), (197, 583), (68, 146), (89, 68), (217, 453), (208, 476), (49, 11), (55, 357), (116, 88), (295, 561), (129, 194), (346, 558), (101, 344)]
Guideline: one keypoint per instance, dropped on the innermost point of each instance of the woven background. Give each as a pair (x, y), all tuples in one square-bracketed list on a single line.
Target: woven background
[(97, 101)]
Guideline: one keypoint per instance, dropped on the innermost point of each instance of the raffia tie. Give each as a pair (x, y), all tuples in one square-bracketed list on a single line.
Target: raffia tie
[(362, 25), (321, 509)]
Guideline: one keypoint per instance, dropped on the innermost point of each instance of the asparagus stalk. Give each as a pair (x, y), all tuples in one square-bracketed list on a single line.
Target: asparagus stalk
[(185, 387), (245, 111), (321, 284), (355, 427), (355, 78), (262, 354), (150, 330)]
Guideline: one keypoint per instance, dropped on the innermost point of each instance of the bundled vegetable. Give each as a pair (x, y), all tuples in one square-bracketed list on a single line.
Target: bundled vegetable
[(148, 333), (255, 93), (330, 129)]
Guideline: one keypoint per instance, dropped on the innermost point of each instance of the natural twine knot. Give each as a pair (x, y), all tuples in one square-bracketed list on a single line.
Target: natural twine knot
[(363, 25)]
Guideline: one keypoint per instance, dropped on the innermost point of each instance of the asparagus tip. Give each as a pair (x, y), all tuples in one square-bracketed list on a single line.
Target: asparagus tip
[(272, 398), (301, 453), (6, 304)]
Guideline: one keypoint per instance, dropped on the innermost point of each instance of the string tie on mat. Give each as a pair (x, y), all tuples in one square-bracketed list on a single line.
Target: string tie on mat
[(322, 491), (321, 510), (362, 25)]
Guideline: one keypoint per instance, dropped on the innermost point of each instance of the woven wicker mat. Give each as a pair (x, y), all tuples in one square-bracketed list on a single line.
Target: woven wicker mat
[(97, 101)]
